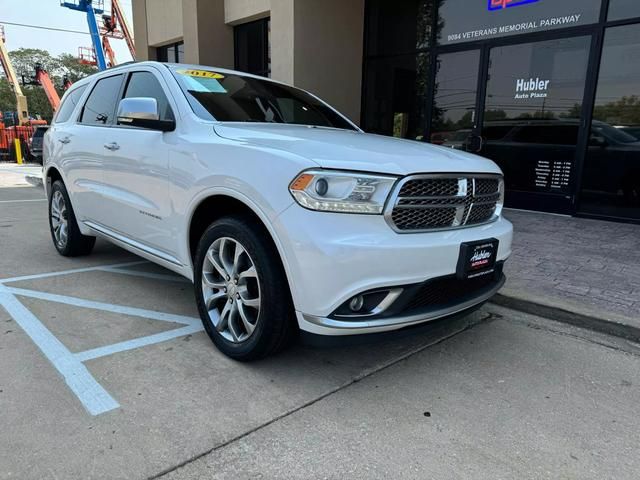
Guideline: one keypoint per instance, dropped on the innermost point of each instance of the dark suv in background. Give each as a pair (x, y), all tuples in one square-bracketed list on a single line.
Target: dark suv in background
[(35, 144)]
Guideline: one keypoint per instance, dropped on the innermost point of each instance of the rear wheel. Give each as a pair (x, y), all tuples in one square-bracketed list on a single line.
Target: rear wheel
[(241, 290), (65, 233)]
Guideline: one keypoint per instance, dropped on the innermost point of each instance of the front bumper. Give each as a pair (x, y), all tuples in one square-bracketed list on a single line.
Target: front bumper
[(332, 257)]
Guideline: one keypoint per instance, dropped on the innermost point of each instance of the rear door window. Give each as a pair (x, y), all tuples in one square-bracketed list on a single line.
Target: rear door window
[(69, 105), (101, 105)]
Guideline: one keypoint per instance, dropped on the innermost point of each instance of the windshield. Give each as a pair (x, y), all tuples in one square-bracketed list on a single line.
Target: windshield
[(235, 98)]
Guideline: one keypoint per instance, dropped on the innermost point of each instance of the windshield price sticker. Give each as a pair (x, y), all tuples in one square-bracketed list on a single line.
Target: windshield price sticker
[(201, 74)]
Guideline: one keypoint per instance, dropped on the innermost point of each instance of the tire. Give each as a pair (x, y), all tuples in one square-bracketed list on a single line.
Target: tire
[(66, 236), (252, 317)]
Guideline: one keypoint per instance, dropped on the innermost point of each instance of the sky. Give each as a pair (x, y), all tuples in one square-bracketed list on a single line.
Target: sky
[(49, 13)]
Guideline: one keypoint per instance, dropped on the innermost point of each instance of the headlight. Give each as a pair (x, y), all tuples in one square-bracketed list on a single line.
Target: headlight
[(343, 192)]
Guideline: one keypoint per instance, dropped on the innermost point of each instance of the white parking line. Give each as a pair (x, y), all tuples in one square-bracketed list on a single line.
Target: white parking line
[(68, 272), (94, 398), (107, 307), (21, 201), (137, 343), (91, 394)]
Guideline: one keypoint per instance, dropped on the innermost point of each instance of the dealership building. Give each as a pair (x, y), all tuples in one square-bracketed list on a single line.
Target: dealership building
[(548, 89)]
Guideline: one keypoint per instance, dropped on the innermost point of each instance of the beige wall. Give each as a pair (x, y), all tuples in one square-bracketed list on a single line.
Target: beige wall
[(164, 21), (241, 11), (315, 44), (328, 48)]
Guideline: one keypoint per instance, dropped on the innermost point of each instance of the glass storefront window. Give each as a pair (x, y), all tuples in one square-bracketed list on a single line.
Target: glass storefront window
[(454, 103), (611, 179), (470, 20), (621, 9), (395, 27), (395, 95), (532, 112)]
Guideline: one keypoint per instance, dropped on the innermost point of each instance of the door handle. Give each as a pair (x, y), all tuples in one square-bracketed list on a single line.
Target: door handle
[(113, 146), (64, 140)]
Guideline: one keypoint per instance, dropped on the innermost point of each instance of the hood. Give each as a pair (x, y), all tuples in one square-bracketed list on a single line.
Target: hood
[(351, 150)]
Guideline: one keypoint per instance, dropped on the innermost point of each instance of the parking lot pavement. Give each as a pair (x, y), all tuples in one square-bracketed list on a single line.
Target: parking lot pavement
[(106, 373), (518, 397)]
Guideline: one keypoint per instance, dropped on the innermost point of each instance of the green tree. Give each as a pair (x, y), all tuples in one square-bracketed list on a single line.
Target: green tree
[(73, 69)]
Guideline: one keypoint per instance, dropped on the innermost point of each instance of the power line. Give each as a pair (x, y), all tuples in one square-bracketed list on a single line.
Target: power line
[(43, 27)]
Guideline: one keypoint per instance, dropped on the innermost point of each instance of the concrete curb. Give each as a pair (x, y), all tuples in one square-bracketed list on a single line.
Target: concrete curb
[(609, 327), (34, 180)]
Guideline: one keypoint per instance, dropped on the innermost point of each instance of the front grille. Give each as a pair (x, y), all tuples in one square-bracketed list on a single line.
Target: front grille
[(435, 202)]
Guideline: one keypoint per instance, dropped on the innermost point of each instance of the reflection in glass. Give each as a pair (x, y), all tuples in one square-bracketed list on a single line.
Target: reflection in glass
[(611, 180), (620, 9), (454, 103), (395, 95), (532, 112)]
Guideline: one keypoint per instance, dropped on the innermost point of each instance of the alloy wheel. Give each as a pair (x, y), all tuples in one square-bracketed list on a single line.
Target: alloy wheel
[(231, 289), (59, 219)]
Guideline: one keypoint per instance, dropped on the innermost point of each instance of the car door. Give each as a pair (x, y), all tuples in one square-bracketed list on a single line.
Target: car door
[(136, 174)]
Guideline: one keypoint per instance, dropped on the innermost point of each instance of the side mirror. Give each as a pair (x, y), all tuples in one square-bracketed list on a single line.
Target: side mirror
[(142, 112), (474, 143)]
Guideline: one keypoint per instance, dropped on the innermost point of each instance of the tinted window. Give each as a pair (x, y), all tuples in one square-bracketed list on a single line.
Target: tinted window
[(395, 94), (472, 20), (145, 84), (252, 47), (101, 104), (619, 9), (69, 105), (611, 176), (235, 98), (398, 27)]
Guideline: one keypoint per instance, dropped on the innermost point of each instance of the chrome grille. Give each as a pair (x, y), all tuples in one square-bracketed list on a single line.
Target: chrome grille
[(425, 202)]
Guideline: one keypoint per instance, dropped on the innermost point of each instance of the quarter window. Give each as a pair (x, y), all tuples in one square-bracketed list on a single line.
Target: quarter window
[(145, 84), (101, 104), (69, 105)]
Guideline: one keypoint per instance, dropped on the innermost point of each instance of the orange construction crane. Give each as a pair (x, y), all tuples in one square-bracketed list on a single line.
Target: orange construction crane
[(87, 56), (42, 78), (116, 26), (10, 73), (108, 51)]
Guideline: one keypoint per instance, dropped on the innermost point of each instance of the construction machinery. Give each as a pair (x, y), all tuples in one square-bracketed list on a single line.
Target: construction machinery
[(21, 101), (91, 8), (116, 26), (42, 78)]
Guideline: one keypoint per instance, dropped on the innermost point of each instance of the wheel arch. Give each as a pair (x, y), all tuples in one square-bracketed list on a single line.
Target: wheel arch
[(220, 204)]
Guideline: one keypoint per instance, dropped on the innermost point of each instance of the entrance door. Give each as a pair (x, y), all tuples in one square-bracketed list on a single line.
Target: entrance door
[(521, 106), (531, 119)]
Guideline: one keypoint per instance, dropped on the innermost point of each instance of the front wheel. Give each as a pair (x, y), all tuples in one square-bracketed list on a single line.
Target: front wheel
[(241, 290), (65, 233)]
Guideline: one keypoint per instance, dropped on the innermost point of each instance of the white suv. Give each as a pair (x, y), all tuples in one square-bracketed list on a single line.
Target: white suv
[(283, 213)]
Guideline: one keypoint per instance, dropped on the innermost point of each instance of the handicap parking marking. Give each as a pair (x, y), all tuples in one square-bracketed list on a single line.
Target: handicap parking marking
[(91, 394)]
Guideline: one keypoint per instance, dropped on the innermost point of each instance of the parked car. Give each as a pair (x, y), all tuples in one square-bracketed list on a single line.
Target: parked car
[(35, 143), (284, 214)]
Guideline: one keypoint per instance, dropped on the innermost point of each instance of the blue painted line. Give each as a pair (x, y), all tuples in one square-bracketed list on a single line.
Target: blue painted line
[(66, 272), (107, 307), (90, 393), (154, 276), (137, 343)]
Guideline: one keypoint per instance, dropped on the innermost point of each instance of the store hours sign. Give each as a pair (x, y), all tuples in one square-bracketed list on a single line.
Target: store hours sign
[(472, 20)]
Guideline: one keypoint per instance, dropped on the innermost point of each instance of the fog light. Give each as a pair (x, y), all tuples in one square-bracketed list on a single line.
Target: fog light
[(356, 303)]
